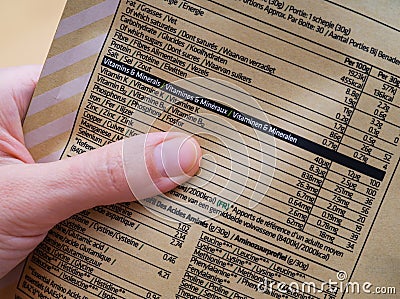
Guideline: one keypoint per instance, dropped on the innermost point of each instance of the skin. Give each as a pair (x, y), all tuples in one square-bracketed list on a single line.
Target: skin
[(35, 197)]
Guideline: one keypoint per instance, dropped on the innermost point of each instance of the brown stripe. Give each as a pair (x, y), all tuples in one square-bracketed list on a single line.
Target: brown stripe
[(8, 292), (52, 113), (49, 146), (80, 36), (65, 75), (76, 6)]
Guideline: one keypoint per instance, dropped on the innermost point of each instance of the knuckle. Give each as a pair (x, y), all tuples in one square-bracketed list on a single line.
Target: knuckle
[(114, 172)]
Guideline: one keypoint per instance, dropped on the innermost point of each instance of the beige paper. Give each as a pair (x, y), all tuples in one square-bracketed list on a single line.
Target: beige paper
[(295, 105)]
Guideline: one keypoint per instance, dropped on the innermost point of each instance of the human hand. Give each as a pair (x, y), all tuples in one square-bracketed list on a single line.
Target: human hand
[(35, 197)]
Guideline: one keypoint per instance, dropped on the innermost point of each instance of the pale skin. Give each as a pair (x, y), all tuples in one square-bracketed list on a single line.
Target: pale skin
[(35, 197)]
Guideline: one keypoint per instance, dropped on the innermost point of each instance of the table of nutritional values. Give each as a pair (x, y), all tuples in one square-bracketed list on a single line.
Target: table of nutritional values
[(329, 146)]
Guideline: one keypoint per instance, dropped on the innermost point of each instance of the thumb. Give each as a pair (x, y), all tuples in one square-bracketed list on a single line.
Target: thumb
[(39, 196)]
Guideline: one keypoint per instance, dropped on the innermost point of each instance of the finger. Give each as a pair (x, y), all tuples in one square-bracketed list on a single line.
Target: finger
[(19, 84), (16, 88), (45, 194), (173, 161)]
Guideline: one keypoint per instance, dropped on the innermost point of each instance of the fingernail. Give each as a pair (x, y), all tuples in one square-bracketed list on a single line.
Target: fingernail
[(177, 157)]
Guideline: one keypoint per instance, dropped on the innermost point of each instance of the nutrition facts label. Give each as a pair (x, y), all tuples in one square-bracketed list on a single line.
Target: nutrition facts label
[(296, 108)]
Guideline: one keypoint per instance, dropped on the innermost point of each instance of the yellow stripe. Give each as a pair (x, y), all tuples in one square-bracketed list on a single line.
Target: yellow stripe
[(80, 36), (52, 113), (49, 146), (76, 6), (65, 75)]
